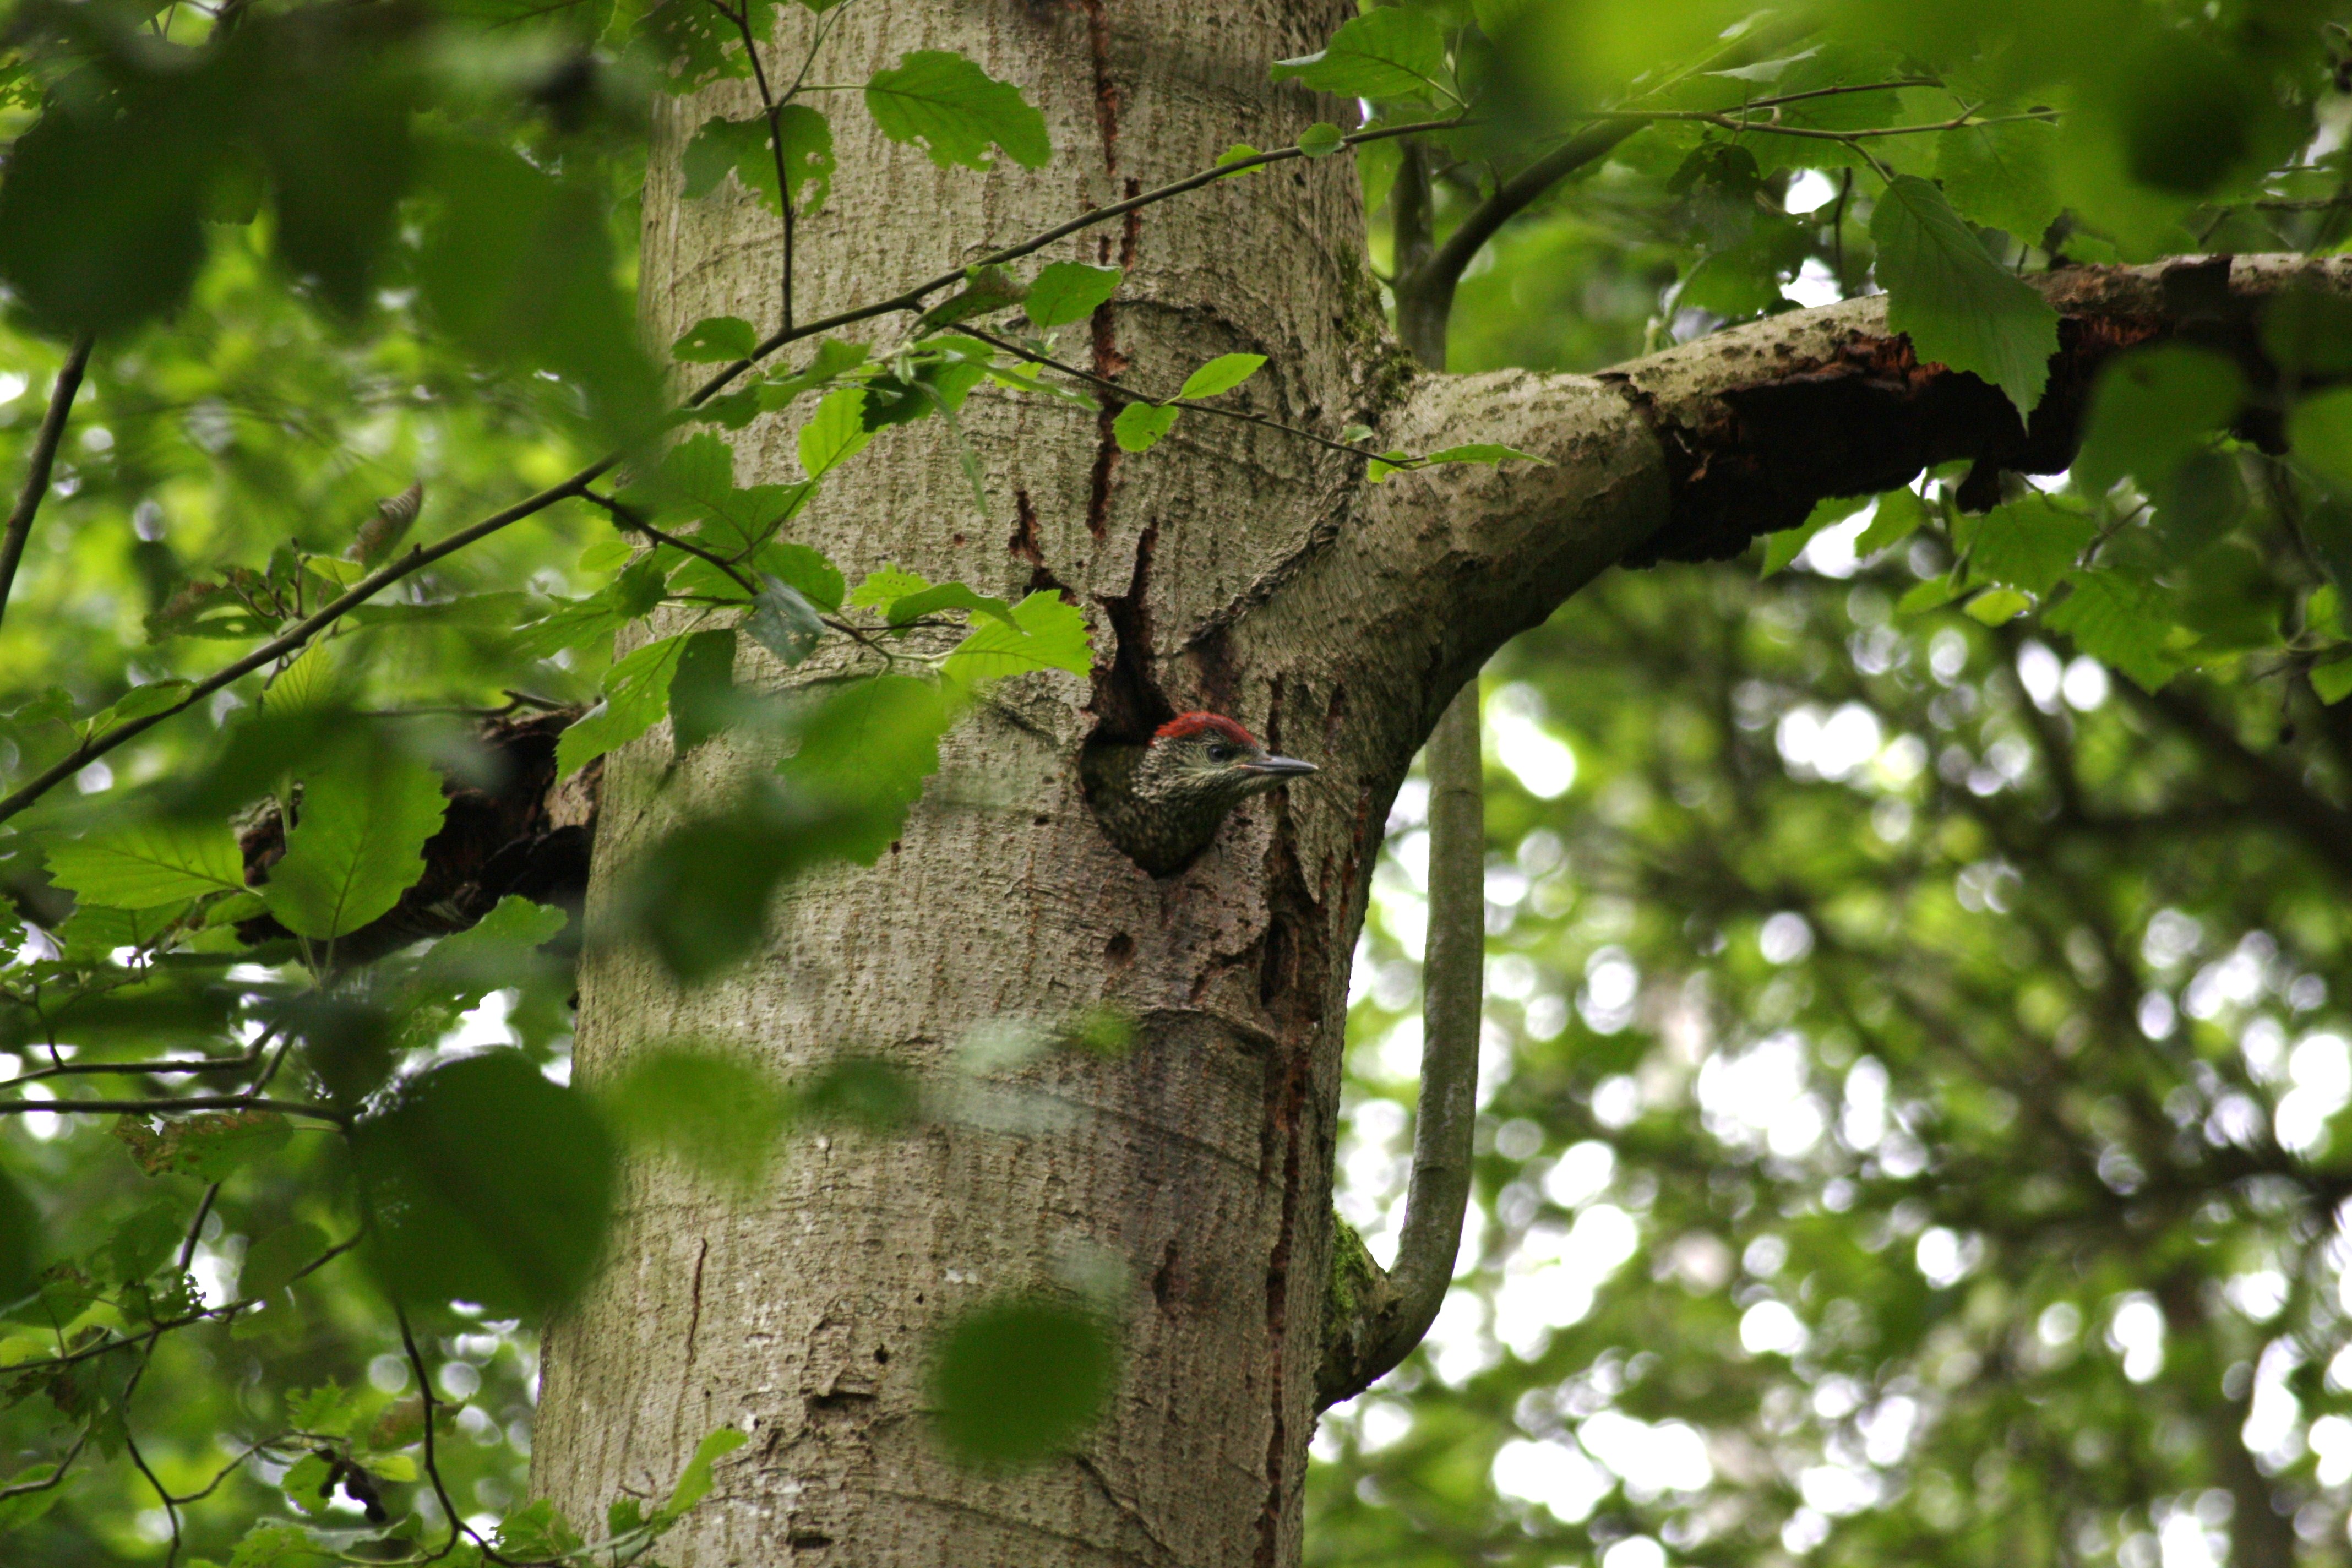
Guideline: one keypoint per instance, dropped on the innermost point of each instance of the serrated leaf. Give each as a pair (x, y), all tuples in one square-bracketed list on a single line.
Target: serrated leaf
[(835, 433), (637, 696), (1957, 305), (1069, 292), (2027, 543), (1222, 373), (1047, 633), (716, 339), (1999, 176), (304, 685), (1139, 426), (2120, 623), (1392, 52), (150, 865), (357, 845), (783, 622), (954, 110)]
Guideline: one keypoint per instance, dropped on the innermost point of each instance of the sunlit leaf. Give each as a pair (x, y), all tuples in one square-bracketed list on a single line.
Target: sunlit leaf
[(955, 111), (1068, 292), (141, 868), (1045, 632), (356, 846), (1139, 426), (1222, 373)]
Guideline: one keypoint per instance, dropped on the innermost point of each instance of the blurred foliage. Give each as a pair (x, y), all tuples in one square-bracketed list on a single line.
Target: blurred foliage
[(1916, 1076), (1910, 1120)]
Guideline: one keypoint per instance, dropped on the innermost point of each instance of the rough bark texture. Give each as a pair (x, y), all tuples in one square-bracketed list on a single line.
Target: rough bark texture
[(1231, 568)]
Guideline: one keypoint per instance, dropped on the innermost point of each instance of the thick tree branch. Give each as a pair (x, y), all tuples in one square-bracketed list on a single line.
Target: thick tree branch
[(19, 526)]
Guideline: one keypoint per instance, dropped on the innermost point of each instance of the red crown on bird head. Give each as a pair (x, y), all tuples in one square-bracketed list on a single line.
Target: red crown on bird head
[(1185, 725)]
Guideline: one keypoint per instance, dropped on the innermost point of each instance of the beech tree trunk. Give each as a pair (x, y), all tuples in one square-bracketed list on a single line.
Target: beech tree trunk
[(1234, 568)]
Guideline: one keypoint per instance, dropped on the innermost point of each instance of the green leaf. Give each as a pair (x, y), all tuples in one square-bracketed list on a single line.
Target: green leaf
[(2309, 334), (2331, 680), (2153, 407), (2119, 622), (1999, 176), (866, 751), (488, 1183), (607, 555), (1957, 305), (357, 845), (835, 433), (1222, 373), (748, 148), (1139, 426), (986, 289), (1781, 549), (1390, 52), (717, 1113), (954, 109), (1069, 292), (888, 585), (948, 596), (1932, 594), (716, 339), (1047, 633), (1321, 140), (701, 689), (1479, 452), (2319, 430), (143, 867), (496, 951), (205, 1147), (1996, 606), (1899, 515), (271, 1263), (694, 1482), (1015, 1381), (1234, 154), (21, 1242), (783, 622), (637, 696), (2029, 543)]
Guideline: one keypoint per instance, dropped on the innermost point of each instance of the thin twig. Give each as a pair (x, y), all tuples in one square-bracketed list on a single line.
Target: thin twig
[(294, 637), (432, 1465), (628, 517), (170, 1107), (1129, 394), (36, 472)]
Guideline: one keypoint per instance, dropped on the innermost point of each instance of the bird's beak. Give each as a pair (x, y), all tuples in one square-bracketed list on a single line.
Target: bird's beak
[(1277, 767)]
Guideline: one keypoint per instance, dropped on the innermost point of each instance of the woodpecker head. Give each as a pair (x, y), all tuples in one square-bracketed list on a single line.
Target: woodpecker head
[(1206, 758), (1161, 802)]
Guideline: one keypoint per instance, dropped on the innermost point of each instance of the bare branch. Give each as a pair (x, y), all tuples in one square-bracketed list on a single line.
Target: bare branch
[(19, 527)]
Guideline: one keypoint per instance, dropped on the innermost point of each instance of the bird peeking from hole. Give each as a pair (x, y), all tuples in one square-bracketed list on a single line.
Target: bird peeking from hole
[(1161, 803)]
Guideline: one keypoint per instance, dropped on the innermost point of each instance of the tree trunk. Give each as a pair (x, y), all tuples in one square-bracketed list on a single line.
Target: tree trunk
[(1234, 568)]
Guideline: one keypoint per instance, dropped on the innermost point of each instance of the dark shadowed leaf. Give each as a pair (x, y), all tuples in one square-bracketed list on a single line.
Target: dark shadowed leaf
[(489, 1184), (271, 1262), (866, 1092), (783, 621), (702, 689), (2152, 408), (1015, 1381), (20, 1242)]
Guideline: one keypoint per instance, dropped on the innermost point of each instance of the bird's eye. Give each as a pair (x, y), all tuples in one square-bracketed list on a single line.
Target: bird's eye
[(1220, 753)]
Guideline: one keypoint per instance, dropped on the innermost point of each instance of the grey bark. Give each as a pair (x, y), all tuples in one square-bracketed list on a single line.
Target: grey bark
[(1231, 568)]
